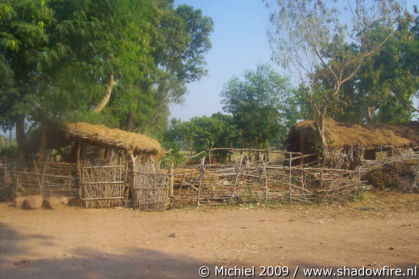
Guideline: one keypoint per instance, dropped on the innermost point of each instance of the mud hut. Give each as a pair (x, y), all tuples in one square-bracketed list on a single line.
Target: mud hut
[(349, 144)]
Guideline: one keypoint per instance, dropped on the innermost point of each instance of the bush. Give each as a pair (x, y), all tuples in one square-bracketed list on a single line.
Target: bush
[(173, 157), (8, 151)]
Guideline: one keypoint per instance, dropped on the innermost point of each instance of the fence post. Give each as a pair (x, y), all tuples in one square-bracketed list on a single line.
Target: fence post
[(172, 181), (302, 171), (233, 192), (17, 184), (290, 178), (266, 180), (133, 176), (201, 175), (79, 176)]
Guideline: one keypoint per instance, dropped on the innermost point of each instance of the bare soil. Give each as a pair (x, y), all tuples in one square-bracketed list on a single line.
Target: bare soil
[(381, 229)]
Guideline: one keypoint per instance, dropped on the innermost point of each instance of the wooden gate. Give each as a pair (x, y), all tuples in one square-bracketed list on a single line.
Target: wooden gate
[(150, 190), (103, 186)]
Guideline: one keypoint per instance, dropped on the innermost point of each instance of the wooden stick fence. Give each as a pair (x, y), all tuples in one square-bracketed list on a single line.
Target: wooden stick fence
[(263, 182), (47, 179), (270, 179)]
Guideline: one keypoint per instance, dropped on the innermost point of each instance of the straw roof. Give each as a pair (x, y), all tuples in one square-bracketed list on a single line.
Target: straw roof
[(102, 135), (371, 136)]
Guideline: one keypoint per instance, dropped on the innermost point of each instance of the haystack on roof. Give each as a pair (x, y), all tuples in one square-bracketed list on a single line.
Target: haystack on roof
[(102, 135), (371, 136)]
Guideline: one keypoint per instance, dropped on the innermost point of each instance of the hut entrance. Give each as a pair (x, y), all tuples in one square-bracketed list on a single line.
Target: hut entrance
[(150, 190), (103, 186)]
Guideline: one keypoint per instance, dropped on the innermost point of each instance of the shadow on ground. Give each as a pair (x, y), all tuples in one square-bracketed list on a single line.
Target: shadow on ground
[(10, 239), (85, 263)]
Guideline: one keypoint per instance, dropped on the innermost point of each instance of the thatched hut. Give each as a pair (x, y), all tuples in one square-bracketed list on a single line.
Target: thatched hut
[(103, 166), (348, 144)]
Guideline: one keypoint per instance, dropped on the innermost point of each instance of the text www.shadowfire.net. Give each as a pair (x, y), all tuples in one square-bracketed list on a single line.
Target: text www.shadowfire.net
[(285, 271)]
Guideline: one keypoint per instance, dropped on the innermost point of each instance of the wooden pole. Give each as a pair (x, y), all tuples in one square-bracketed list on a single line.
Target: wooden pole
[(17, 184), (79, 170), (302, 171), (41, 191), (172, 181), (266, 180), (44, 169), (201, 175), (132, 184), (233, 192), (290, 178)]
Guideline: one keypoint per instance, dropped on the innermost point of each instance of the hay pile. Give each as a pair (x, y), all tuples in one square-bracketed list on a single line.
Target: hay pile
[(102, 135), (339, 134), (397, 176)]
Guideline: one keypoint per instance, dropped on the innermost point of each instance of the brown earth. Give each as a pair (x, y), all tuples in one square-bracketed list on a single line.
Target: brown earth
[(381, 229)]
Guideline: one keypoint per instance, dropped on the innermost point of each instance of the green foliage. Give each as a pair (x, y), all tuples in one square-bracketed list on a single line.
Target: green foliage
[(263, 106), (8, 151), (201, 132), (384, 87), (57, 58), (173, 155)]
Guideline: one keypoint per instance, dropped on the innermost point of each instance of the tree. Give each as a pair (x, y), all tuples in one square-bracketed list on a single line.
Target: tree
[(179, 50), (200, 133), (115, 62), (259, 104), (383, 88), (314, 36), (24, 44)]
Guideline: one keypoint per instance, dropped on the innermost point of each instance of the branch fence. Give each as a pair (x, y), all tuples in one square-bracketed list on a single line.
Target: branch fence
[(285, 179), (247, 176)]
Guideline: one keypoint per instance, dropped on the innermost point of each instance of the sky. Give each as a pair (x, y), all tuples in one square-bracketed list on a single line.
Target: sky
[(239, 43)]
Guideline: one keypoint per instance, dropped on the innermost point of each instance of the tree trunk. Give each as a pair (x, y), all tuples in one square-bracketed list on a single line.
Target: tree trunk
[(130, 122), (42, 149), (319, 123), (20, 139), (107, 97)]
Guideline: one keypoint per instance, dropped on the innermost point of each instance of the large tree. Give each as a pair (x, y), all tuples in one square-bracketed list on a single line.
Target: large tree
[(116, 62), (259, 104), (385, 86), (333, 36), (24, 47)]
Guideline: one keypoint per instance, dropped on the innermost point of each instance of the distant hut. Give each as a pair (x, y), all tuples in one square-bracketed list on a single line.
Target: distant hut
[(349, 144)]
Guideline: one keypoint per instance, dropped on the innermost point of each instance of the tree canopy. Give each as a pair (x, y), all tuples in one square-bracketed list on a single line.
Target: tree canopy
[(119, 62), (261, 106)]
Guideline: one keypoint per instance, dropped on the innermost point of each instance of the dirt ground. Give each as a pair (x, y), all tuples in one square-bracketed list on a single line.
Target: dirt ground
[(381, 229)]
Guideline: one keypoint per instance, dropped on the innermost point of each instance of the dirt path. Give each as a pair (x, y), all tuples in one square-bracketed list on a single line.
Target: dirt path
[(123, 243)]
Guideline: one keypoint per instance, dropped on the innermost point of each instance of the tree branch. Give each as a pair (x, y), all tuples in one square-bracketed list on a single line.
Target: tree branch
[(107, 97)]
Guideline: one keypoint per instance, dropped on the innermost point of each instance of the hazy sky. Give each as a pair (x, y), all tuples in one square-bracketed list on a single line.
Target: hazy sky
[(239, 43)]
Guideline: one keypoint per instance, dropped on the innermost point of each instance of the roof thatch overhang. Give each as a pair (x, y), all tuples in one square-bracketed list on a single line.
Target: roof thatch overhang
[(115, 138), (367, 136)]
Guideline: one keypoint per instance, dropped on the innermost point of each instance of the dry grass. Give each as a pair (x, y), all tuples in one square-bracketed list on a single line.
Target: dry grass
[(340, 134), (99, 134)]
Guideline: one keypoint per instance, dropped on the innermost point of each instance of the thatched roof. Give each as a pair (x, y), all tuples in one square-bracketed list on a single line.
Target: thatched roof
[(102, 135), (369, 136)]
